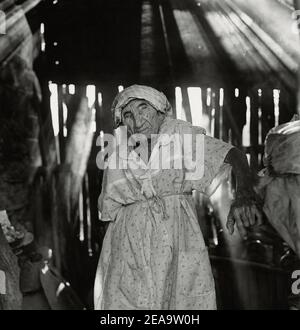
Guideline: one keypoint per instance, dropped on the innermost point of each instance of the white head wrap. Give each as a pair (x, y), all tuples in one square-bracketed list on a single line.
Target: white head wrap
[(157, 99)]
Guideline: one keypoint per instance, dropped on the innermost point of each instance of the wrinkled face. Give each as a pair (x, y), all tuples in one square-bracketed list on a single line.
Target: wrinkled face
[(141, 118)]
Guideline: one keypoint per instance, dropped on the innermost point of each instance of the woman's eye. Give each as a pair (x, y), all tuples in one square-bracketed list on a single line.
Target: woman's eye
[(127, 115)]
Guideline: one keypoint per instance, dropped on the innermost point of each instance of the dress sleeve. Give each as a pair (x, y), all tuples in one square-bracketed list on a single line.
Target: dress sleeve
[(108, 204), (215, 152)]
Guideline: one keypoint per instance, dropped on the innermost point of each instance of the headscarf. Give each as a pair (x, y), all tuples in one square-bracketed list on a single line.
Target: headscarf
[(280, 182), (157, 100)]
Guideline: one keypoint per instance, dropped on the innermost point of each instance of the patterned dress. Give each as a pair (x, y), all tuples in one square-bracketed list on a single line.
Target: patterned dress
[(153, 255)]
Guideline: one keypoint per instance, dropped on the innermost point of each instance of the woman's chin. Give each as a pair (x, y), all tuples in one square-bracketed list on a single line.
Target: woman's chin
[(146, 133)]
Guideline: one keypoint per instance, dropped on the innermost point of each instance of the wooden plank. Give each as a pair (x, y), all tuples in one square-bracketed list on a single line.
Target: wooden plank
[(268, 119), (287, 106), (109, 92), (186, 104), (235, 107), (255, 103), (61, 124), (226, 109), (297, 7), (216, 109), (12, 299)]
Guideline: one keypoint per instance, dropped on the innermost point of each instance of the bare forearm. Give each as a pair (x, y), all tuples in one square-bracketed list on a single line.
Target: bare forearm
[(244, 177), (245, 210)]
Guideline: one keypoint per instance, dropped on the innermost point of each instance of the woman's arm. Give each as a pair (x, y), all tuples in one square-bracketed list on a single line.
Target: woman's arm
[(244, 211)]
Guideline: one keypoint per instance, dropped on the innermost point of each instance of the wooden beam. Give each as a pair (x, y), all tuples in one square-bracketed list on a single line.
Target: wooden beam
[(297, 7)]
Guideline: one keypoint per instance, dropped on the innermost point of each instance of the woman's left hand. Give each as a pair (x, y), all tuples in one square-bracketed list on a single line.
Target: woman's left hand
[(245, 213)]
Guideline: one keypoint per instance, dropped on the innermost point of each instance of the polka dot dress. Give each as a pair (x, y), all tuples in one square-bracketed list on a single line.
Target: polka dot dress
[(153, 255)]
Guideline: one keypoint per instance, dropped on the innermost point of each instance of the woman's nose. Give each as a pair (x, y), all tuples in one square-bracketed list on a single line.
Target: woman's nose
[(139, 120)]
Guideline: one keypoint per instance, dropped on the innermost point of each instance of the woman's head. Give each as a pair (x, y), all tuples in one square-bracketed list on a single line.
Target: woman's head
[(140, 117), (142, 109)]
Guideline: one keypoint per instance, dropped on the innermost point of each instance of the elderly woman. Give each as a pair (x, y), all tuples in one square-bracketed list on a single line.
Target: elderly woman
[(153, 255)]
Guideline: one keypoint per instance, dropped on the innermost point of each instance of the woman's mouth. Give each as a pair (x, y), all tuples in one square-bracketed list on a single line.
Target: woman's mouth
[(143, 130)]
